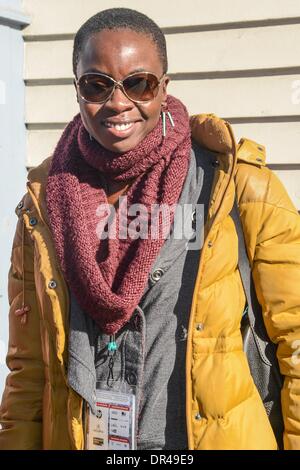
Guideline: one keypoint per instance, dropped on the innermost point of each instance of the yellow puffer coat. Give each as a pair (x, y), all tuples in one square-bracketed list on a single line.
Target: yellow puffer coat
[(223, 408)]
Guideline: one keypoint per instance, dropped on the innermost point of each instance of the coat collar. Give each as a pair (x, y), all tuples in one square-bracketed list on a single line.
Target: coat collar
[(36, 185)]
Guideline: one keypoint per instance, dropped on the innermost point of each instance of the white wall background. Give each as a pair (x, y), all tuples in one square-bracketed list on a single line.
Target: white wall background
[(12, 148)]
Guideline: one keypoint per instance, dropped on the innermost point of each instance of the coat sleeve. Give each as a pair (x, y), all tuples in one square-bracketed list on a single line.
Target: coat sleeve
[(272, 231), (21, 407)]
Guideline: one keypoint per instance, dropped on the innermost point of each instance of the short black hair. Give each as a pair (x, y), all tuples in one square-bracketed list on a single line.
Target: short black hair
[(117, 18)]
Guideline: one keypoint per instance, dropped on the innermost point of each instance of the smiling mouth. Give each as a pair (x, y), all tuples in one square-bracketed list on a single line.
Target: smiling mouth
[(120, 126)]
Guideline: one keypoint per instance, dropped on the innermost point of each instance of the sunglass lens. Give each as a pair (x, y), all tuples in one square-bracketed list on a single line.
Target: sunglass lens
[(95, 88), (141, 87)]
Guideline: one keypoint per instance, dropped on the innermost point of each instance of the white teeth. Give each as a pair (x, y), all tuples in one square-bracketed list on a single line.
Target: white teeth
[(119, 127)]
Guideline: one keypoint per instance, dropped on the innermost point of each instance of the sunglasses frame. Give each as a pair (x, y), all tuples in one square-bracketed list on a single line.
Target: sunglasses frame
[(117, 84)]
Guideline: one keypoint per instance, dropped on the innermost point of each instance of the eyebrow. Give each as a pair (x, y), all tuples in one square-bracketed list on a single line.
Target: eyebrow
[(94, 70)]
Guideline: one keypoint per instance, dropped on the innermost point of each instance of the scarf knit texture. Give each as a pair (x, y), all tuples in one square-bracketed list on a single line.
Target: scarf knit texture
[(108, 276)]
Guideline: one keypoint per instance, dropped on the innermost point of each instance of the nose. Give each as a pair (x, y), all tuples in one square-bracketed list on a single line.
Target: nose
[(118, 101)]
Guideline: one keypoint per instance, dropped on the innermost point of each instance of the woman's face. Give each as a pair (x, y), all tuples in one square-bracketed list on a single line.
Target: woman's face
[(119, 53)]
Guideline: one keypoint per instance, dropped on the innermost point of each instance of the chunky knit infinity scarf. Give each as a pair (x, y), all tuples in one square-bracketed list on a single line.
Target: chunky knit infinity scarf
[(108, 276)]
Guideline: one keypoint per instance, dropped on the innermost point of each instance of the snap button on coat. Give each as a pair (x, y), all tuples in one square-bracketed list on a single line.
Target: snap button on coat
[(33, 221), (156, 275), (52, 284)]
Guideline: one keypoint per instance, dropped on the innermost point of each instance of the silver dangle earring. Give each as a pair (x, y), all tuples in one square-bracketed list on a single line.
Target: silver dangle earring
[(91, 137), (164, 121), (163, 117)]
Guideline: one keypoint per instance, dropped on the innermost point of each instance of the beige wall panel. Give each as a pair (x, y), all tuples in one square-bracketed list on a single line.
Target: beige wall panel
[(291, 181), (241, 97), (40, 145), (281, 141), (65, 17), (239, 49), (50, 104), (251, 97), (48, 60)]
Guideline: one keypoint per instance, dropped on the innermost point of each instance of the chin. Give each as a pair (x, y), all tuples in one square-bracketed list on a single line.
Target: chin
[(120, 146)]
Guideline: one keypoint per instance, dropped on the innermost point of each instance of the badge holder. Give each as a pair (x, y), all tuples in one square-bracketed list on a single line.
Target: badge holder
[(113, 425)]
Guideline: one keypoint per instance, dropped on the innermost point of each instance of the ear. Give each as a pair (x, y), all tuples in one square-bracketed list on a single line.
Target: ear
[(164, 90)]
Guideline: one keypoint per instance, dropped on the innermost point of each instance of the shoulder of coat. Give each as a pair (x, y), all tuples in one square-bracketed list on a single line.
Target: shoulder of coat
[(249, 151), (40, 172), (252, 175), (213, 133), (37, 175), (216, 134)]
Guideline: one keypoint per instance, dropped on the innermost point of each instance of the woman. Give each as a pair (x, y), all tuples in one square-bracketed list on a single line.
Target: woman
[(142, 322)]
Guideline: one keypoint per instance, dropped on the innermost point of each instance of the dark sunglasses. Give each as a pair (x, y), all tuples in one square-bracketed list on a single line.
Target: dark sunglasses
[(139, 87)]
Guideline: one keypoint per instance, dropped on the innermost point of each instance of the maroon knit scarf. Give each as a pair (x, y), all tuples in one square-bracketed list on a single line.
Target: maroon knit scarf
[(108, 277)]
